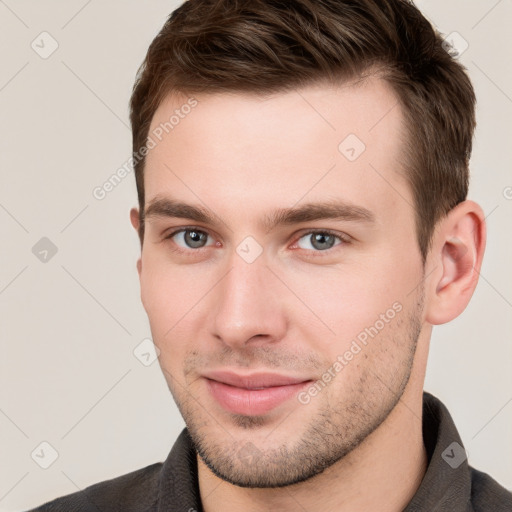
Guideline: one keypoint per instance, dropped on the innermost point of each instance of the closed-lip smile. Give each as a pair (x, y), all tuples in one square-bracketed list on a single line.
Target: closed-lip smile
[(252, 393)]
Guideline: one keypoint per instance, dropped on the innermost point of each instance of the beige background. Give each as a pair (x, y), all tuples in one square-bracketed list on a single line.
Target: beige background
[(69, 326)]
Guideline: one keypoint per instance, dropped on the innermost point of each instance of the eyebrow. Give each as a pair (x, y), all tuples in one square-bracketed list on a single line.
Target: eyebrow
[(334, 209)]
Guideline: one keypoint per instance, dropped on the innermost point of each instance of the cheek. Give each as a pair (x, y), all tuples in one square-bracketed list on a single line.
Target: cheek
[(170, 295), (169, 299), (347, 301)]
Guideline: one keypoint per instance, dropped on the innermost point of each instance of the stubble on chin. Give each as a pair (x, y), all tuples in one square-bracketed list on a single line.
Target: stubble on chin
[(342, 419)]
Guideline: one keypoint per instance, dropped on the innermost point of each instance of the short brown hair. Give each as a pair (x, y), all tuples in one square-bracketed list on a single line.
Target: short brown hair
[(271, 46)]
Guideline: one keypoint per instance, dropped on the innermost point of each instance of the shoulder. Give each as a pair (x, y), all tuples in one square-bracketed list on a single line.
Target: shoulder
[(487, 494), (133, 492)]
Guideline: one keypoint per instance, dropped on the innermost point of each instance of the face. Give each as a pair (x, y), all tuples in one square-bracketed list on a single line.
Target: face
[(280, 273)]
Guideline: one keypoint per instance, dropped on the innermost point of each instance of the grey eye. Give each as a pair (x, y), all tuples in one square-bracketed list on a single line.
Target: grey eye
[(191, 238), (318, 240)]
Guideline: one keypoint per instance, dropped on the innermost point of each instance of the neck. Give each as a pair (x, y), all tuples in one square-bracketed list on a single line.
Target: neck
[(381, 474)]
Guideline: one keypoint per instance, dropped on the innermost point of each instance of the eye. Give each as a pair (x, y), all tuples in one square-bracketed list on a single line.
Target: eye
[(319, 240), (190, 238)]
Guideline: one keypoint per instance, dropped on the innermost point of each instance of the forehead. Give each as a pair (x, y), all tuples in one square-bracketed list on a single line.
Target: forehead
[(314, 143)]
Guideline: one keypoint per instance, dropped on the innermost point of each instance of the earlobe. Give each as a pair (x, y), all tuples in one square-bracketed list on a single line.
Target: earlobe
[(457, 252)]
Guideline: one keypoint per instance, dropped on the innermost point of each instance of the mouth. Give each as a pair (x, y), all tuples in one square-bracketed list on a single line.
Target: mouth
[(253, 394)]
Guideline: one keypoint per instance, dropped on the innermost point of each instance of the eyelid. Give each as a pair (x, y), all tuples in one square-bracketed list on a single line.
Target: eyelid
[(343, 237), (181, 229)]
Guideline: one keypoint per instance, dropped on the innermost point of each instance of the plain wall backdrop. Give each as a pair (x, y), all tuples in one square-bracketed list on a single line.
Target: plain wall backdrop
[(71, 319)]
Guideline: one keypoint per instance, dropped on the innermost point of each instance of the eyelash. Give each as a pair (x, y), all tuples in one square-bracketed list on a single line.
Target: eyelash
[(344, 239)]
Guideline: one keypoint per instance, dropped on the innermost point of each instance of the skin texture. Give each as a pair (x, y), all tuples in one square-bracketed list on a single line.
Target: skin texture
[(299, 306)]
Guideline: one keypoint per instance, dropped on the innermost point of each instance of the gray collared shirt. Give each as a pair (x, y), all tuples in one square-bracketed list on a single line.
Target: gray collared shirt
[(449, 484)]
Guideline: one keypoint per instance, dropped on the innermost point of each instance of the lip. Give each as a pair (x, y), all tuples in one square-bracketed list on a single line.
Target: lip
[(253, 380), (252, 394)]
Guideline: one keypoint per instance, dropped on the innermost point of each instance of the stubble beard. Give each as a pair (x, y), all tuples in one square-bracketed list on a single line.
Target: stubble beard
[(335, 430)]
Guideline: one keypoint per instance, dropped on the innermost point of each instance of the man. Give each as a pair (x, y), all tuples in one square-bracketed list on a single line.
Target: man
[(302, 173)]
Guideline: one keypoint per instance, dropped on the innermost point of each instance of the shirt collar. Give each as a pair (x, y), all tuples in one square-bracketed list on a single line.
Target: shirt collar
[(446, 485)]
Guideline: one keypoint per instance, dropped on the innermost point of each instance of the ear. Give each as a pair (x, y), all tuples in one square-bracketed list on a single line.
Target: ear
[(456, 256), (135, 220)]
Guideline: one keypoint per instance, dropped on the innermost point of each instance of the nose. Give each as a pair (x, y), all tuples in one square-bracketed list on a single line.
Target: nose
[(248, 305)]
